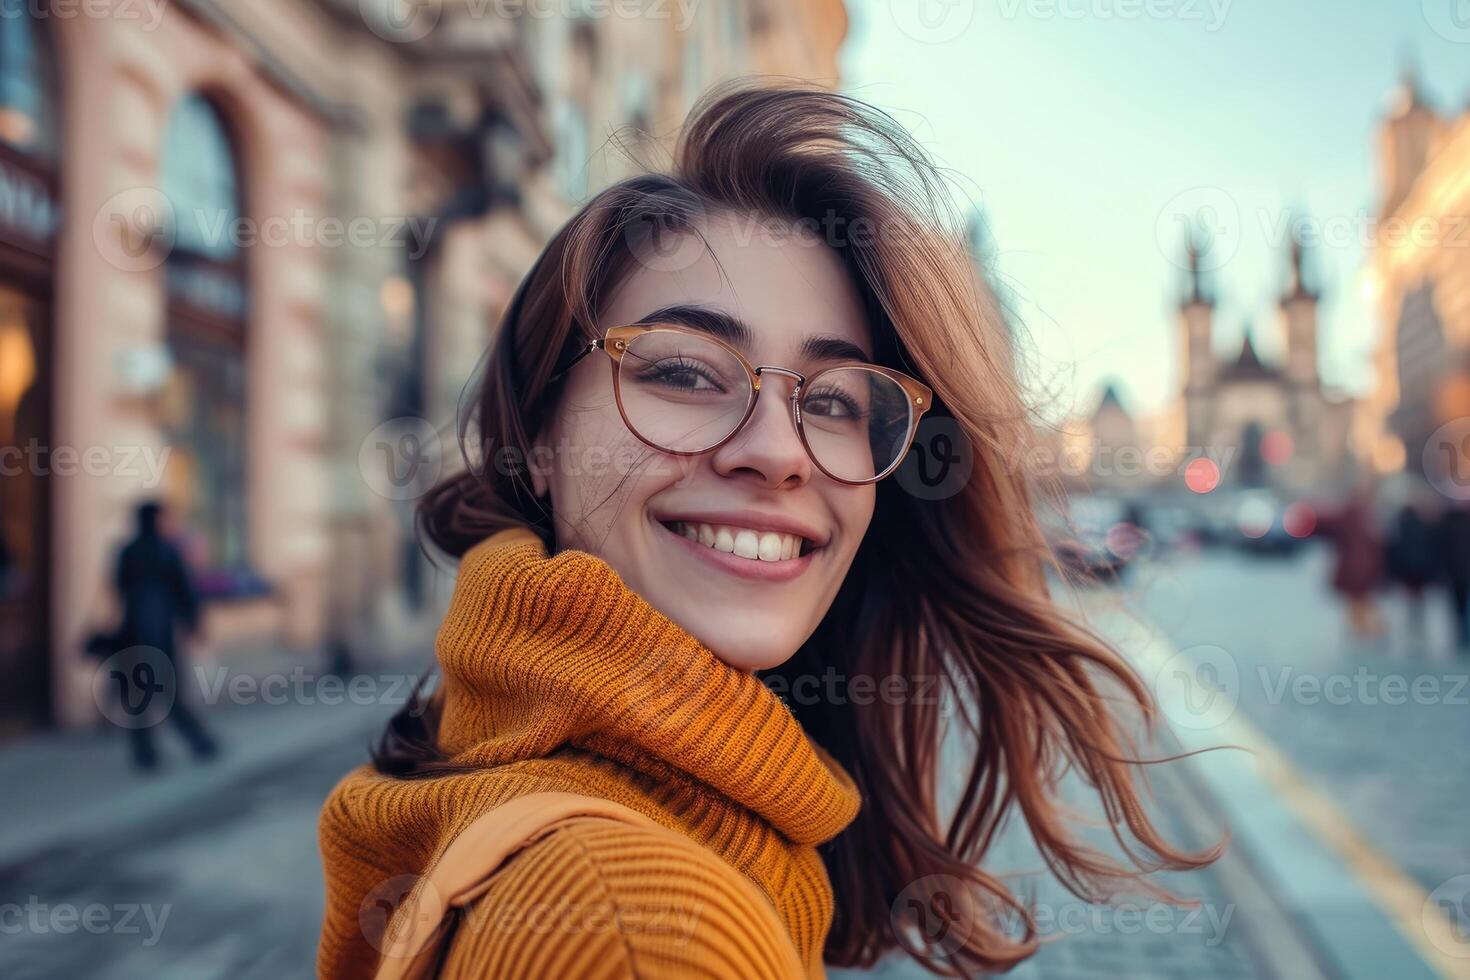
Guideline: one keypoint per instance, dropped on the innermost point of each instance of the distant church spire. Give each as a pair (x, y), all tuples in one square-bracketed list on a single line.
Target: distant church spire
[(1296, 281), (1195, 290)]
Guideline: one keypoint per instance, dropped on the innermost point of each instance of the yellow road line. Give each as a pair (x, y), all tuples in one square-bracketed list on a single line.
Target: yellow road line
[(1401, 898)]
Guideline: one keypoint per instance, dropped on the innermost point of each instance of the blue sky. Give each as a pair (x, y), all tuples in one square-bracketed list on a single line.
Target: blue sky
[(1077, 124)]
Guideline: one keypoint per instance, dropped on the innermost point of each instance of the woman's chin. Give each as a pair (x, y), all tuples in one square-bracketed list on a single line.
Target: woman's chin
[(745, 652)]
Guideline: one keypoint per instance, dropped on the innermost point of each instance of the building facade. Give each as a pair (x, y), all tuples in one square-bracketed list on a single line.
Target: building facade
[(246, 250), (1276, 425), (1420, 277)]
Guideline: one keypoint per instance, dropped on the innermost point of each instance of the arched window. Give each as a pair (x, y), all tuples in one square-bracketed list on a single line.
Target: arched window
[(27, 91), (204, 404), (199, 180)]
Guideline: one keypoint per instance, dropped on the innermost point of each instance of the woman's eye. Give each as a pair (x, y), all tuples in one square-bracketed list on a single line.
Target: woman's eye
[(830, 405), (683, 375)]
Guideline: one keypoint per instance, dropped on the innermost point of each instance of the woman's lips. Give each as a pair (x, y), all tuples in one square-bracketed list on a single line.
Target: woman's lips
[(782, 570)]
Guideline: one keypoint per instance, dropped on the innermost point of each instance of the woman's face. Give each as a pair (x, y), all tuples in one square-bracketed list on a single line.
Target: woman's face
[(652, 516)]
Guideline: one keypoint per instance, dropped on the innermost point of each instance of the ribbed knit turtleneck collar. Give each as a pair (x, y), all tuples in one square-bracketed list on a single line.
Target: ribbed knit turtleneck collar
[(543, 652)]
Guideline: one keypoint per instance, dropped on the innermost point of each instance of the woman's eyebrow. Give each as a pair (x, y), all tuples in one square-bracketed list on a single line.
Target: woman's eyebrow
[(825, 347), (734, 331)]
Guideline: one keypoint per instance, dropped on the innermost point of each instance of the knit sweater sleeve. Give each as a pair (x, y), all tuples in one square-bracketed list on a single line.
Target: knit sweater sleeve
[(597, 898)]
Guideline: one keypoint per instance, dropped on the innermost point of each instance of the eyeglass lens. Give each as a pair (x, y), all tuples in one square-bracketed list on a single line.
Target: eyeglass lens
[(687, 394)]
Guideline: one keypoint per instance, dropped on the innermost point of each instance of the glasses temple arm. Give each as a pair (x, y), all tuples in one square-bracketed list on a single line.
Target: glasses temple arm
[(592, 346)]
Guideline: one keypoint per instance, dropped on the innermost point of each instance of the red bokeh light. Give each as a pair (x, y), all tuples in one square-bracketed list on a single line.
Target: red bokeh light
[(1202, 475), (1276, 447), (1300, 520)]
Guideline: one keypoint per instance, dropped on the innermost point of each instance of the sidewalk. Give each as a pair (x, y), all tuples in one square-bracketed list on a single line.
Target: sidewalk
[(69, 786), (1359, 912), (1298, 894)]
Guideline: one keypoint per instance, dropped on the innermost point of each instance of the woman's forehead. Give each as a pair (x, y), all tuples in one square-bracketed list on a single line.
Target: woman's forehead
[(776, 277)]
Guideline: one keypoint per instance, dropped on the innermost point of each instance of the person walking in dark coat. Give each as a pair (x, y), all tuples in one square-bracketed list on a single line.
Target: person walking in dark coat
[(157, 599), (1454, 539), (1413, 561)]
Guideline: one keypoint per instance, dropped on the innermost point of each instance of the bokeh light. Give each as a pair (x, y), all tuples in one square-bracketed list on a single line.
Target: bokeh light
[(1300, 520), (1202, 475), (1276, 447), (1254, 517)]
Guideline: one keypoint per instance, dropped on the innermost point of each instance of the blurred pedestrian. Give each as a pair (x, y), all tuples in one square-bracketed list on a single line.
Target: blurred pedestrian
[(1413, 561), (1454, 540), (1359, 560), (157, 600)]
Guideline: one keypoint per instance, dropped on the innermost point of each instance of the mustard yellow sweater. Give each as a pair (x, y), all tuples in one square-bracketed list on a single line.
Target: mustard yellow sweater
[(557, 676)]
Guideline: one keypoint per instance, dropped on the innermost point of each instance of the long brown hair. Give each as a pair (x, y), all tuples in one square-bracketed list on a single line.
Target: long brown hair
[(953, 589)]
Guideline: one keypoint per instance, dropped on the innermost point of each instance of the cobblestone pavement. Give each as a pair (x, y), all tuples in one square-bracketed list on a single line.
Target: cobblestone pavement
[(1236, 931), (228, 884), (1382, 727), (224, 885)]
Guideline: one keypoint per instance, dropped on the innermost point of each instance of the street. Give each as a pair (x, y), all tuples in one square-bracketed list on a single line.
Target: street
[(1380, 726), (198, 884), (225, 881)]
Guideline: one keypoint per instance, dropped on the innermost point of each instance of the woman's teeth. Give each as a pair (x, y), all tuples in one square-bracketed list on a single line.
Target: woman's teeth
[(741, 541)]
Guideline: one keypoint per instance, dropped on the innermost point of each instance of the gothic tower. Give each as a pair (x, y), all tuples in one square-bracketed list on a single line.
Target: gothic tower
[(1299, 321), (1197, 361), (1304, 387)]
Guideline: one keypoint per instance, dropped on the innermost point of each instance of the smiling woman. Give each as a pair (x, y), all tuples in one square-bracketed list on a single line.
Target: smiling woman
[(606, 734)]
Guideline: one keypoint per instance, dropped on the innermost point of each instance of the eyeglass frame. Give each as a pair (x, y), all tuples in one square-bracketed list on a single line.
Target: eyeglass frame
[(614, 343)]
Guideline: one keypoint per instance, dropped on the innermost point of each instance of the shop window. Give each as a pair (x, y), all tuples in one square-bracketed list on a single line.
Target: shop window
[(204, 404), (27, 115)]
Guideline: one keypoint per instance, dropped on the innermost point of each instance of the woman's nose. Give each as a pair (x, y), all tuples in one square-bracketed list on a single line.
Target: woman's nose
[(768, 447)]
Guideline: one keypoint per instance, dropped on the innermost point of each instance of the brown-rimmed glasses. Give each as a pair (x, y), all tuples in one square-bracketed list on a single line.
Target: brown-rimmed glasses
[(684, 392)]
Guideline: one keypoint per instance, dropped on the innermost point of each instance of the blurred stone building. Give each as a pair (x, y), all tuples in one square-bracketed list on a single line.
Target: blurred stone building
[(1269, 426), (1280, 426), (250, 253), (1420, 275)]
